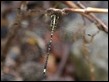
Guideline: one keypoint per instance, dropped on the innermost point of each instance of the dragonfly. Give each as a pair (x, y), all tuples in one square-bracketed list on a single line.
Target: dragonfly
[(55, 16)]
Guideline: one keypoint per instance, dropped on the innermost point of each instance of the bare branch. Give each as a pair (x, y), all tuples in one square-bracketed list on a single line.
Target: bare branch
[(15, 27), (92, 18), (87, 10), (98, 22)]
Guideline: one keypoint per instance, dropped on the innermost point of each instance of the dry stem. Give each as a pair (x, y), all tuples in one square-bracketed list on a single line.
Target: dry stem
[(88, 10), (89, 16), (15, 27)]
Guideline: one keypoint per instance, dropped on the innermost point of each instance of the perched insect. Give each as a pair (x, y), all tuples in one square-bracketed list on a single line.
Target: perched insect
[(55, 15)]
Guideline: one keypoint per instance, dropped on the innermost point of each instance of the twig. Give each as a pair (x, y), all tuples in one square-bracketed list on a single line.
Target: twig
[(88, 10), (12, 34), (98, 21), (95, 20), (85, 53), (66, 10)]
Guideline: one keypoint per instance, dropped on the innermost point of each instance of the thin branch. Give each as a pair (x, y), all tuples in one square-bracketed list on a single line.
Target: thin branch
[(86, 53), (87, 10), (70, 10), (12, 34), (99, 23), (92, 18)]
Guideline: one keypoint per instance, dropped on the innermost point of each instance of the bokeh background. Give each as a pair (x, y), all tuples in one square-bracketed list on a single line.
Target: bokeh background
[(75, 55)]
